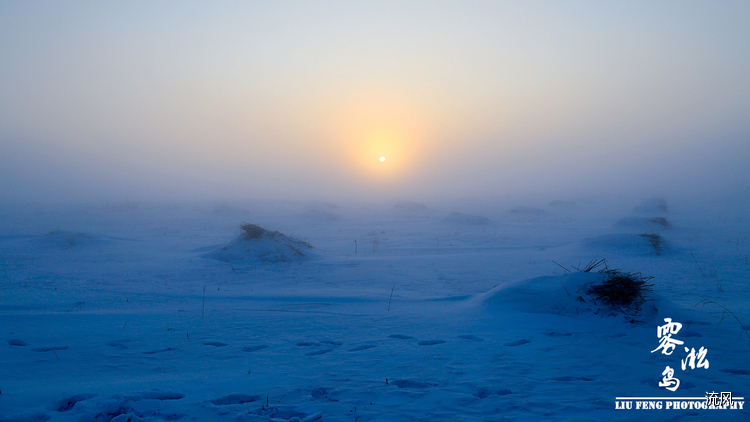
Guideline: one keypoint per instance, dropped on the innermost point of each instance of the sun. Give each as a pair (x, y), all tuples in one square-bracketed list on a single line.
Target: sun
[(382, 159)]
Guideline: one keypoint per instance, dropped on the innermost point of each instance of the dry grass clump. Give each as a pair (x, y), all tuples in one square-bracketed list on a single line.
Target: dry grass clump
[(656, 241), (621, 290), (253, 231), (618, 290)]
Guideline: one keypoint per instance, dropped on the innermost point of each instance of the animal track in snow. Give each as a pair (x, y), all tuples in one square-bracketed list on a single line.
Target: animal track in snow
[(413, 384), (362, 347), (569, 378), (483, 392), (117, 345), (235, 399), (153, 352), (318, 352), (518, 343), (430, 342), (400, 337), (275, 413), (470, 337), (556, 334), (50, 349), (155, 395)]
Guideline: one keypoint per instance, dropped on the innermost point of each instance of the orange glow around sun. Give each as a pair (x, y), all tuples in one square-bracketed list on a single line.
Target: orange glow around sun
[(381, 141)]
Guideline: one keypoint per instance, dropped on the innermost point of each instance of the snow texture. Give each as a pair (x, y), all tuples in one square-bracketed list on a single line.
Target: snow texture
[(151, 313)]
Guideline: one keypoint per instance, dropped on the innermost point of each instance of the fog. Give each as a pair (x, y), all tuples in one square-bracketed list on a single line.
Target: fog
[(268, 100)]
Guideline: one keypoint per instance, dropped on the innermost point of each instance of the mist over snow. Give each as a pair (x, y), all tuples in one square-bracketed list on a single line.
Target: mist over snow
[(196, 223), (141, 101)]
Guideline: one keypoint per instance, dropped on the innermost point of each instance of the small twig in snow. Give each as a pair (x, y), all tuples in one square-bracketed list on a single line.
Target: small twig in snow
[(696, 263), (566, 270), (79, 304)]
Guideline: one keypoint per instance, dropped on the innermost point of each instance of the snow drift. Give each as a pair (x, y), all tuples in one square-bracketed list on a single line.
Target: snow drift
[(574, 294), (257, 244)]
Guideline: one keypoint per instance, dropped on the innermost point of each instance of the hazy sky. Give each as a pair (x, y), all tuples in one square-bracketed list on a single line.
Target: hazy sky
[(239, 100)]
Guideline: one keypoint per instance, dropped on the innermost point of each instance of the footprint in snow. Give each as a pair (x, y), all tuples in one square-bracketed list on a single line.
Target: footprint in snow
[(400, 337), (288, 414), (235, 399), (569, 378), (318, 352), (50, 349), (413, 384), (154, 395), (254, 348), (153, 352), (117, 345), (483, 392), (518, 343), (556, 334), (430, 342), (471, 337), (215, 344), (361, 348)]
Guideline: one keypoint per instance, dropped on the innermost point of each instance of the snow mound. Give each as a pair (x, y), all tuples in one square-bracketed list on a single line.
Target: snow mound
[(573, 294), (642, 244), (458, 218), (257, 244)]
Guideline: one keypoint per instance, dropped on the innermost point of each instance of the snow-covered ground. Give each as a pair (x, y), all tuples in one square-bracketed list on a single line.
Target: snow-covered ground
[(464, 311)]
